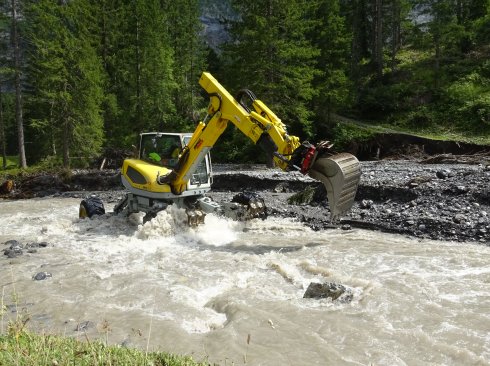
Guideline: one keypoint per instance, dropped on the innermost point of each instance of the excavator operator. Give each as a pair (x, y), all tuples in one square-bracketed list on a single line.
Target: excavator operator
[(168, 158)]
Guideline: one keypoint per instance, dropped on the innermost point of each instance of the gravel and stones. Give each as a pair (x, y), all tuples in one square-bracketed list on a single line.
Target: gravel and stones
[(403, 197), (16, 249)]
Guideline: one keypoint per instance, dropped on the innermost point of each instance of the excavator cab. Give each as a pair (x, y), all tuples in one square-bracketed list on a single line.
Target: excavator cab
[(159, 154)]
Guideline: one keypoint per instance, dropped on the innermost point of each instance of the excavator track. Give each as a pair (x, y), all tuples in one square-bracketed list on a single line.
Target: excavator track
[(340, 174)]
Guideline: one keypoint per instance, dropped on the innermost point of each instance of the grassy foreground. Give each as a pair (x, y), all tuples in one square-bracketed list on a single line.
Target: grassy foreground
[(24, 348)]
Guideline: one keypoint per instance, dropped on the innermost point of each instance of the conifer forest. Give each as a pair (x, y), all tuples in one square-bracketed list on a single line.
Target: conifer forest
[(81, 76)]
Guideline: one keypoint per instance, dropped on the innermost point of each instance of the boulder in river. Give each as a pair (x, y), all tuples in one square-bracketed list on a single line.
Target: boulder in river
[(328, 290), (15, 249), (42, 276)]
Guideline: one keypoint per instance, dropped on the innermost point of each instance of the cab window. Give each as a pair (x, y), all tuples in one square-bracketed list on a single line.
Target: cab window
[(161, 149)]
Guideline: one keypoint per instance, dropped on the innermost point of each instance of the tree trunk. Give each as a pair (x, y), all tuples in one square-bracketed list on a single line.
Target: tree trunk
[(437, 67), (138, 77), (395, 35), (378, 38), (66, 143), (459, 11), (18, 92), (104, 35), (359, 44), (2, 131), (437, 48), (66, 132)]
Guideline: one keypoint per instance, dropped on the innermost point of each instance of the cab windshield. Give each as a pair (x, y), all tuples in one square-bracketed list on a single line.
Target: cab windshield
[(160, 149)]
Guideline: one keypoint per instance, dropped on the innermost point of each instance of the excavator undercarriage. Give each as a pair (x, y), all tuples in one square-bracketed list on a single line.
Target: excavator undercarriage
[(175, 168)]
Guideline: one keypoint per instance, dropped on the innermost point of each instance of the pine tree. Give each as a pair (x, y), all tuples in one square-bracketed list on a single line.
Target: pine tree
[(19, 118), (67, 79), (357, 16), (184, 30), (333, 40), (138, 60), (397, 26), (4, 70), (109, 27), (2, 129), (157, 83), (271, 55)]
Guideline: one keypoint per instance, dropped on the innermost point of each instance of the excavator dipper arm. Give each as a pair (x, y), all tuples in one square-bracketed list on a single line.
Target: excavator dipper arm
[(339, 173)]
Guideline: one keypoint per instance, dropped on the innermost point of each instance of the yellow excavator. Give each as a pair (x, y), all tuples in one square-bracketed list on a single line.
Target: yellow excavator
[(175, 168)]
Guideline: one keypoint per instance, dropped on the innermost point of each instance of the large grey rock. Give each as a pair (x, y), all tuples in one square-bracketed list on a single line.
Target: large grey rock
[(330, 290), (15, 249), (42, 276)]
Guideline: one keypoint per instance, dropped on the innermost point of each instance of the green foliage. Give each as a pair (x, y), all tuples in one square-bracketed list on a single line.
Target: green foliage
[(189, 60), (344, 135), (482, 29), (331, 37), (420, 118), (67, 80), (271, 55), (8, 109), (234, 147), (139, 62), (469, 102), (441, 84)]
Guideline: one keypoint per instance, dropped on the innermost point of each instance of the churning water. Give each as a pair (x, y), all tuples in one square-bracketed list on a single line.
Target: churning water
[(231, 293)]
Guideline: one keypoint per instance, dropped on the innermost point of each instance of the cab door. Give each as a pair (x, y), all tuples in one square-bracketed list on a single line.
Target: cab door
[(202, 176)]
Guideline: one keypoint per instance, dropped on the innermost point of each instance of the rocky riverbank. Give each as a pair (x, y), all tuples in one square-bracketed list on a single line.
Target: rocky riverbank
[(445, 200), (439, 201)]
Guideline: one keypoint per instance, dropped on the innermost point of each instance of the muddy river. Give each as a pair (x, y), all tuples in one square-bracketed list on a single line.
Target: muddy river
[(232, 293)]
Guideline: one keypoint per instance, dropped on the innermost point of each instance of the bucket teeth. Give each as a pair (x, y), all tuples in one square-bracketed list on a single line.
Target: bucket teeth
[(195, 217)]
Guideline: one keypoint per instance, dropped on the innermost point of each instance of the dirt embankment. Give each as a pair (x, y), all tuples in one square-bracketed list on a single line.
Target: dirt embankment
[(438, 198)]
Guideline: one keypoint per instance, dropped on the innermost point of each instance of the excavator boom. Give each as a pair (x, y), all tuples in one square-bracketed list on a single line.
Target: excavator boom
[(339, 173)]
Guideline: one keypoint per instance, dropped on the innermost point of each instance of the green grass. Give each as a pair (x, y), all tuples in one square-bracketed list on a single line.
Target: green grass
[(363, 131), (48, 165), (19, 347), (12, 162), (447, 134)]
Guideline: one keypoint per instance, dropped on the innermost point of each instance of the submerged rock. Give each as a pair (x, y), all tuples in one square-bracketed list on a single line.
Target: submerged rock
[(11, 242), (15, 249), (83, 326), (42, 276), (330, 290)]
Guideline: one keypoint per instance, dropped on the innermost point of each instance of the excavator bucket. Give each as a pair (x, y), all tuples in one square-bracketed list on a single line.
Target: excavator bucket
[(340, 174)]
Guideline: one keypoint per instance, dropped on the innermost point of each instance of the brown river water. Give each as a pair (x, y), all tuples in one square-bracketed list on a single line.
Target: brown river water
[(232, 293)]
